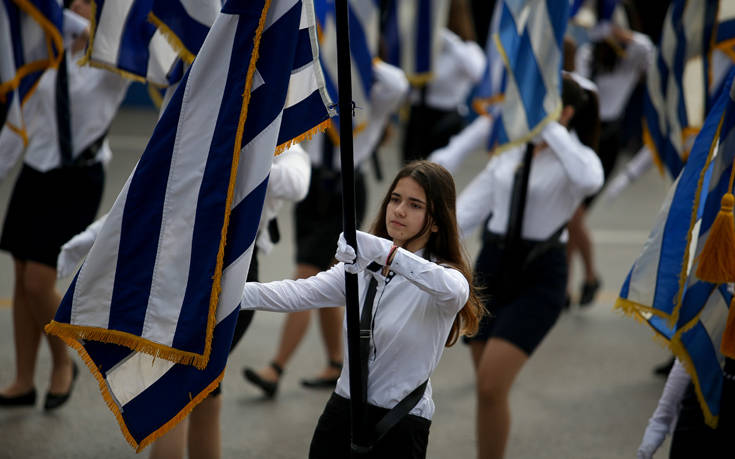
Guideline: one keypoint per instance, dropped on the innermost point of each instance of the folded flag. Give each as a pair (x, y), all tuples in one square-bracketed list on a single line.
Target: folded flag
[(529, 39), (30, 42), (364, 28), (153, 307), (664, 287), (123, 40)]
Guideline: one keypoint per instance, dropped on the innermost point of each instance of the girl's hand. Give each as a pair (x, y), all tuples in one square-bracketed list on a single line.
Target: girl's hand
[(369, 249)]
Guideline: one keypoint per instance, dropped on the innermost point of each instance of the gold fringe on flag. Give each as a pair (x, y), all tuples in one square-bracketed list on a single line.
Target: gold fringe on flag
[(172, 38), (717, 259)]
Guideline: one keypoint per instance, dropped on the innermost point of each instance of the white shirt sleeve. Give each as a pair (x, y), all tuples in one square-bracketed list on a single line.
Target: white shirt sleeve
[(290, 175), (469, 55), (326, 289), (472, 138), (581, 164), (474, 204), (640, 51), (447, 285)]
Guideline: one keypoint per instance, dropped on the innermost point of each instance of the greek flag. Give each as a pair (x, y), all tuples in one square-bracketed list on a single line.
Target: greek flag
[(672, 114), (123, 40), (30, 42), (364, 25), (662, 287), (185, 23), (489, 92), (412, 38), (529, 40), (153, 307)]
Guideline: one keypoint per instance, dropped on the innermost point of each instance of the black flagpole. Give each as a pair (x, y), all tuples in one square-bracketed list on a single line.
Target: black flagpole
[(352, 306)]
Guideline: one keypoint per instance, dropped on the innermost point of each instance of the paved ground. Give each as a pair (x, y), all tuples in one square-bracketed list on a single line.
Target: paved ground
[(586, 393)]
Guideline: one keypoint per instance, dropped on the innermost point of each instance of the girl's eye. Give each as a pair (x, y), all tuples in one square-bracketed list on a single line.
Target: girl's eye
[(415, 205), (394, 199)]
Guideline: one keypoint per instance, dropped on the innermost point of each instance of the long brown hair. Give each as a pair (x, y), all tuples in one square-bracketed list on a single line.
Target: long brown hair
[(443, 244)]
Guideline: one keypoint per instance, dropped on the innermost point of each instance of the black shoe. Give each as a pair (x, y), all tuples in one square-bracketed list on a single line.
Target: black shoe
[(664, 368), (269, 388), (589, 291), (27, 399), (54, 401), (323, 383)]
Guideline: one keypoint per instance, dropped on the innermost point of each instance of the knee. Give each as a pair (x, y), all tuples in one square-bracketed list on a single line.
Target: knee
[(491, 392), (34, 289)]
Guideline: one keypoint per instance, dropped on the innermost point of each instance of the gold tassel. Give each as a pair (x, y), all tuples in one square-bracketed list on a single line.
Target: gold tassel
[(717, 260), (727, 346)]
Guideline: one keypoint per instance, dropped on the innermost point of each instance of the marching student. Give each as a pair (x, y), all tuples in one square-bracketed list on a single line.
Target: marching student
[(56, 196), (525, 277), (318, 226), (416, 297)]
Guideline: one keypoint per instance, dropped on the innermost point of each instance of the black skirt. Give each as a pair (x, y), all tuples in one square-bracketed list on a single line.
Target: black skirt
[(525, 304), (48, 208), (406, 440)]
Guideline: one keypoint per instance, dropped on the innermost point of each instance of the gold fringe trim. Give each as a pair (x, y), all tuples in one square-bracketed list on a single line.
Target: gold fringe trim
[(22, 72), (155, 96), (681, 353), (20, 131), (693, 219), (333, 132), (172, 38), (134, 342), (479, 105), (631, 308), (113, 406), (420, 79), (87, 58), (321, 127), (121, 72)]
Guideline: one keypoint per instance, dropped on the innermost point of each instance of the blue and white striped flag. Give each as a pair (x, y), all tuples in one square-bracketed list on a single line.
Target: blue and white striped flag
[(123, 40), (673, 115), (185, 23), (412, 37), (530, 41), (662, 287), (489, 92), (364, 29), (153, 307), (30, 42)]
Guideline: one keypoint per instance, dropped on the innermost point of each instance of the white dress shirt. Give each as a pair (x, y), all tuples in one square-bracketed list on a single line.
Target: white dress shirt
[(413, 313), (615, 87), (562, 175), (289, 181), (94, 97), (459, 67)]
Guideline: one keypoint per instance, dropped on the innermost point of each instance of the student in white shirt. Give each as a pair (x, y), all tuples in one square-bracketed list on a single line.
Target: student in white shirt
[(56, 196), (423, 301), (525, 289), (318, 226)]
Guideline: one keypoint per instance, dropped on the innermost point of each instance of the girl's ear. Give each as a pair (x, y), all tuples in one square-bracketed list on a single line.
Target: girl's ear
[(434, 228)]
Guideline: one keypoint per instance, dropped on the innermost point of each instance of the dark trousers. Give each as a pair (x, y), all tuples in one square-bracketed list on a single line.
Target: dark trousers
[(407, 440)]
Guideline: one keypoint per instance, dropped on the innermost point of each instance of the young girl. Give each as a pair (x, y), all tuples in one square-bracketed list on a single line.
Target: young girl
[(526, 288), (423, 301)]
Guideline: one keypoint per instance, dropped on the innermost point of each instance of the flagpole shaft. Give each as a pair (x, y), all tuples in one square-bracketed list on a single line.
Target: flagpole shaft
[(344, 83)]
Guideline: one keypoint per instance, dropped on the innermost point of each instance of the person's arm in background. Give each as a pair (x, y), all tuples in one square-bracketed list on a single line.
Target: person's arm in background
[(664, 417)]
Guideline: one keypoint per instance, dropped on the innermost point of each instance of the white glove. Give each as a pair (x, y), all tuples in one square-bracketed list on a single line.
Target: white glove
[(370, 249), (77, 248), (666, 412)]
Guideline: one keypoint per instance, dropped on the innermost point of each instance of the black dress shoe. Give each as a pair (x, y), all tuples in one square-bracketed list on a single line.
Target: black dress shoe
[(27, 399), (54, 401), (269, 388), (589, 292), (323, 383)]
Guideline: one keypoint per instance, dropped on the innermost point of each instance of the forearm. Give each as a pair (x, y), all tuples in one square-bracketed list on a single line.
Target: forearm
[(322, 290)]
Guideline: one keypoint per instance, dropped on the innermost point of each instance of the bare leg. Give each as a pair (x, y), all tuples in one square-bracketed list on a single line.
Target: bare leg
[(476, 350), (173, 444), (330, 320), (500, 363), (204, 429), (40, 289), (583, 243), (293, 331), (27, 337)]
